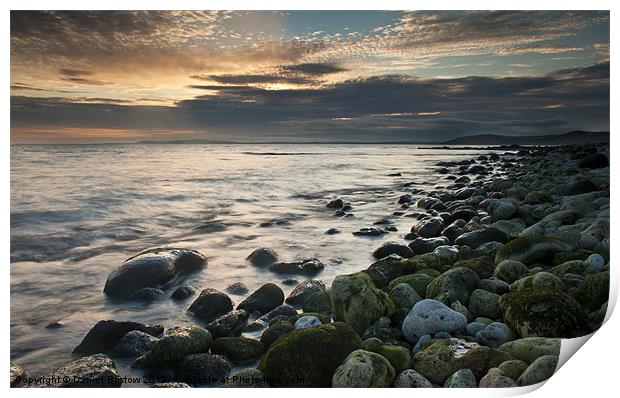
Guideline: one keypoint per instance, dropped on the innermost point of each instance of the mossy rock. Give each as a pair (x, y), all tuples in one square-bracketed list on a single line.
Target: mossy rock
[(364, 369), (237, 349), (274, 331), (485, 304), (594, 291), (530, 249), (569, 267), (530, 348), (173, 347), (482, 265), (512, 228), (418, 281), (538, 197), (538, 280), (320, 302), (398, 356), (539, 370), (462, 378), (510, 270), (440, 359), (544, 312), (433, 273), (456, 284), (246, 378), (308, 357), (513, 368), (404, 296), (579, 254), (323, 318), (382, 272), (356, 301)]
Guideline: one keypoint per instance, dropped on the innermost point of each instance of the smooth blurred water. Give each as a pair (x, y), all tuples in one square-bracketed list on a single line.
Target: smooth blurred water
[(78, 211)]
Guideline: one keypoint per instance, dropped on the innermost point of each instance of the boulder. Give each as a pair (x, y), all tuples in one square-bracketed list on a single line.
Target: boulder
[(152, 268), (417, 281), (274, 331), (262, 257), (483, 303), (494, 335), (538, 280), (482, 265), (429, 227), (430, 317), (263, 300), (183, 292), (539, 370), (237, 349), (309, 267), (174, 346), (203, 369), (531, 249), (462, 378), (425, 245), (320, 301), (303, 291), (364, 369), (228, 324), (513, 369), (456, 284), (392, 248), (93, 371), (476, 238), (308, 357), (411, 379), (398, 356), (307, 321), (544, 312), (403, 296), (134, 344), (593, 161), (356, 301), (104, 336), (283, 311), (594, 291), (510, 270), (530, 348), (495, 378), (211, 304), (146, 294)]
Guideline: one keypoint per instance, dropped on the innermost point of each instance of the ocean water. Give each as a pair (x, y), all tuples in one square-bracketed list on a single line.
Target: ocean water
[(78, 211)]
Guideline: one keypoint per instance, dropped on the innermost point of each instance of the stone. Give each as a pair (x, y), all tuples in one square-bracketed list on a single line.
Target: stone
[(183, 293), (174, 346), (383, 271), (531, 249), (593, 161), (134, 344), (510, 228), (151, 268), (364, 369), (501, 209), (456, 284), (308, 357), (96, 371), (403, 296), (274, 331), (307, 322), (320, 301), (411, 379), (332, 231), (247, 378), (494, 335), (335, 204), (495, 379), (594, 291), (282, 311), (538, 197), (476, 238), (398, 356), (210, 305), (594, 263), (262, 257), (418, 282), (392, 248), (310, 266), (237, 288), (227, 324), (104, 336), (18, 375), (430, 317), (426, 245), (538, 280), (494, 285), (483, 303), (146, 294), (580, 186), (513, 369), (462, 378), (264, 299), (474, 327), (237, 349), (429, 227), (539, 370), (370, 232), (203, 369), (356, 301), (303, 291), (543, 312), (510, 270), (483, 265), (530, 348)]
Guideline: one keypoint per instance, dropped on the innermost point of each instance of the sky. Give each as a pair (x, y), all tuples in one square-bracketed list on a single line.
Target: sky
[(306, 76)]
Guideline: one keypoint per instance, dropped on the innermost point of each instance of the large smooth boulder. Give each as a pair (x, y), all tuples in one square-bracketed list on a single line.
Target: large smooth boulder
[(476, 238), (430, 317), (510, 270), (309, 267), (308, 357), (152, 268), (403, 296), (95, 371), (364, 369), (544, 312), (428, 227), (263, 300), (176, 345), (456, 284), (495, 378), (104, 336), (389, 268), (529, 348), (210, 305), (274, 331), (357, 302), (530, 249)]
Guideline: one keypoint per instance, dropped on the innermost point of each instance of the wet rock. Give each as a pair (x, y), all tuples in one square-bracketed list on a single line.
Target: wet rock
[(483, 265), (540, 370), (453, 285), (364, 369), (210, 305), (530, 348), (282, 311), (501, 209), (183, 293), (274, 331), (104, 336), (403, 296), (494, 335), (530, 249), (311, 266), (263, 300), (594, 291), (237, 288), (308, 357), (18, 374), (429, 227), (147, 294), (392, 248), (175, 346), (430, 317), (332, 231), (307, 322), (543, 312), (411, 379), (303, 290), (426, 245), (538, 280), (513, 369), (228, 324), (494, 285), (538, 197), (483, 303), (237, 349), (134, 344), (203, 369), (247, 378), (369, 232), (418, 281), (320, 301), (93, 371), (594, 263), (152, 268), (262, 257), (580, 186), (476, 238), (398, 356), (511, 228), (356, 301), (462, 378), (335, 204), (510, 270), (495, 379)]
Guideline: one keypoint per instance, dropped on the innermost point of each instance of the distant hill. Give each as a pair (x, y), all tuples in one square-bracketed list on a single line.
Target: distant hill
[(570, 138)]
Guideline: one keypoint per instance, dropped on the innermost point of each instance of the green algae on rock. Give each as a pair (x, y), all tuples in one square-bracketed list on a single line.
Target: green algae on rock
[(530, 249), (237, 349), (364, 369), (176, 345), (456, 284), (529, 348)]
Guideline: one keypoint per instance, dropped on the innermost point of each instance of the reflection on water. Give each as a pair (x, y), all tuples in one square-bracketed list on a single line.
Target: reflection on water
[(77, 211)]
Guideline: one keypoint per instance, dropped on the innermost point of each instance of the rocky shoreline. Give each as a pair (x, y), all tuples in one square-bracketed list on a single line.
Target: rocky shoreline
[(504, 258)]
